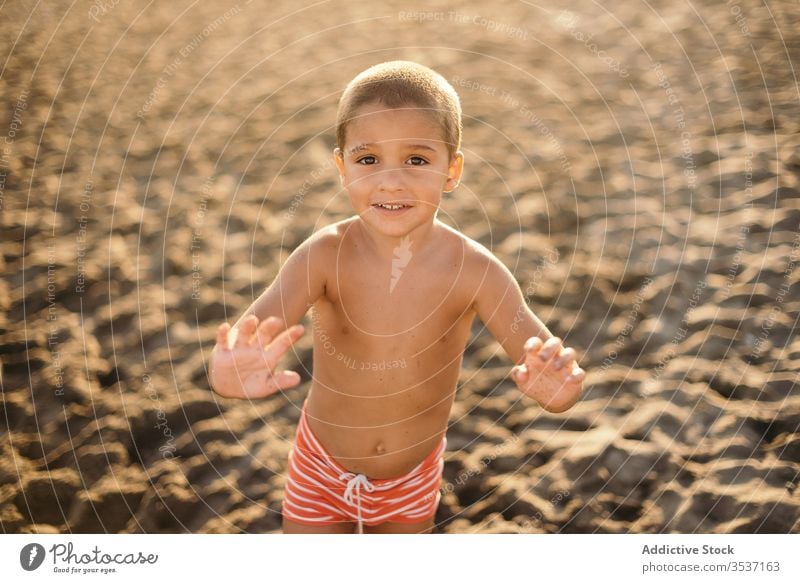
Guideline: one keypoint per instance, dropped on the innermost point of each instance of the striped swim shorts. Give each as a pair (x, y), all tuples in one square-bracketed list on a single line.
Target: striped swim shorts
[(319, 491)]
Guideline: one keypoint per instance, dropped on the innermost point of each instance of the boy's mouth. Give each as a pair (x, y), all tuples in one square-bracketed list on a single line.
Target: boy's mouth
[(391, 206)]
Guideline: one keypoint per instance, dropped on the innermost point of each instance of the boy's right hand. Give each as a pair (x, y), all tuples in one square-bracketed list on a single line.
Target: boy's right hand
[(243, 362)]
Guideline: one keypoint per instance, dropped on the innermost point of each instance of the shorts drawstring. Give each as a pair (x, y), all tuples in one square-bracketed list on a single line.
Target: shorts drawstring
[(315, 476), (354, 484)]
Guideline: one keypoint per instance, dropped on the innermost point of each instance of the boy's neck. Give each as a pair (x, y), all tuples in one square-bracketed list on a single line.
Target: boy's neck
[(385, 246)]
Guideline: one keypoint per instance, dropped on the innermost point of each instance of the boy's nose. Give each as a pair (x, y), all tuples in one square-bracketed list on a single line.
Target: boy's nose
[(391, 180)]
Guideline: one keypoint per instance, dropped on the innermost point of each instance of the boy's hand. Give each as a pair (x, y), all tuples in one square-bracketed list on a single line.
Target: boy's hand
[(243, 364), (549, 374)]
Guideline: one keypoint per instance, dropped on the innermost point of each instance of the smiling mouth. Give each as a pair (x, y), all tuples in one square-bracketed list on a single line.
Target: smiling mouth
[(391, 206)]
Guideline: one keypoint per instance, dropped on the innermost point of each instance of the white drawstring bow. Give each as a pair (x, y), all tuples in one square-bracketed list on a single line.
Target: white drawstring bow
[(353, 490)]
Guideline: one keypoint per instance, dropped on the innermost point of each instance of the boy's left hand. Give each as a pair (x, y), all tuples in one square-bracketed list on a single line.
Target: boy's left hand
[(549, 374)]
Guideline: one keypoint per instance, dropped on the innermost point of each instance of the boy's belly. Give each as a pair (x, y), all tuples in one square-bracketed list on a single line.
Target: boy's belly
[(380, 404), (384, 438)]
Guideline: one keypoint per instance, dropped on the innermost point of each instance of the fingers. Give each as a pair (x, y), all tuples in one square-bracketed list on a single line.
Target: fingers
[(546, 350), (553, 353), (286, 379), (265, 383), (222, 335), (564, 359), (519, 373), (281, 344), (533, 344), (551, 347), (266, 330), (576, 376), (246, 330)]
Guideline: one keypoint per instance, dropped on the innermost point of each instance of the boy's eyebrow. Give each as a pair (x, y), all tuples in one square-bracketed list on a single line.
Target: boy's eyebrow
[(360, 147)]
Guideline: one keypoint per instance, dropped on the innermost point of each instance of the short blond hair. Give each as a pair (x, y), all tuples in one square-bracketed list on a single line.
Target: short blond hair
[(398, 84)]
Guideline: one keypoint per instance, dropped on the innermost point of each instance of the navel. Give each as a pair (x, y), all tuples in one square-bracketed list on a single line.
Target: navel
[(380, 448)]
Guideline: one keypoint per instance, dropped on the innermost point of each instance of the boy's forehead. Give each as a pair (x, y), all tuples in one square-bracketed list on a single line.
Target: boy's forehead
[(375, 127), (415, 143)]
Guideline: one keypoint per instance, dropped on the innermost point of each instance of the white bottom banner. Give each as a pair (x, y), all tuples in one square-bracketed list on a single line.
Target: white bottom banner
[(390, 558)]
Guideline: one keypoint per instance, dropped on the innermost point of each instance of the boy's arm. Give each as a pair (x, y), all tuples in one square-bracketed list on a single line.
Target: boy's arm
[(244, 359), (543, 369), (300, 282)]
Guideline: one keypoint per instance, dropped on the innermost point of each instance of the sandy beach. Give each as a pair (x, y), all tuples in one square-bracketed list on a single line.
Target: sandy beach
[(635, 165)]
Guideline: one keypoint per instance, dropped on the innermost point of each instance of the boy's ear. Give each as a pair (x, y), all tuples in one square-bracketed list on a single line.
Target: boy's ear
[(454, 171), (338, 157)]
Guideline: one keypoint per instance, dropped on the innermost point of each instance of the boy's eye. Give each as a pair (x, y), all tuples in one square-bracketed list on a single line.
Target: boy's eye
[(367, 160), (417, 161)]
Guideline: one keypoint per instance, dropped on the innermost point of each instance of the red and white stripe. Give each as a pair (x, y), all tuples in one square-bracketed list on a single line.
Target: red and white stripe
[(319, 491)]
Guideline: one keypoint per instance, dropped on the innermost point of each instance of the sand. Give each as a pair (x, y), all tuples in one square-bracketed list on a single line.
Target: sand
[(636, 166)]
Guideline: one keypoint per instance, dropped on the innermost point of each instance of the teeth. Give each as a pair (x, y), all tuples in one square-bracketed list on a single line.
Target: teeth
[(392, 207)]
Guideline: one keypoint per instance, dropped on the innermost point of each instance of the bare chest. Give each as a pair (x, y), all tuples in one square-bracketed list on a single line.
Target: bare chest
[(403, 298)]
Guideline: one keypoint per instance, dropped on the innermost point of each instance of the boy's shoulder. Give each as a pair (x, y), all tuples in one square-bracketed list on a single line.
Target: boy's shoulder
[(325, 245), (328, 238), (481, 273), (475, 254)]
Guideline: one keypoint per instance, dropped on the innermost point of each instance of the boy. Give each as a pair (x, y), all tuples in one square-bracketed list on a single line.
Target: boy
[(394, 292)]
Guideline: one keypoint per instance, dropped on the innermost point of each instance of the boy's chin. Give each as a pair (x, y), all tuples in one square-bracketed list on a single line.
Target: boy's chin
[(399, 227)]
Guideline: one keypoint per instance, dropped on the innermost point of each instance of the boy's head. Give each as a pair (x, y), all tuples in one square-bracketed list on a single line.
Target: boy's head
[(398, 133), (402, 84)]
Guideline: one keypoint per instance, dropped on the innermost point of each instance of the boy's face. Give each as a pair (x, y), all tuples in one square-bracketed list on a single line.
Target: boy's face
[(395, 167)]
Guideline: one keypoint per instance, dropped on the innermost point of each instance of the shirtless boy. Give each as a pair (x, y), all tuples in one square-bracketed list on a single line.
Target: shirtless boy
[(394, 292)]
